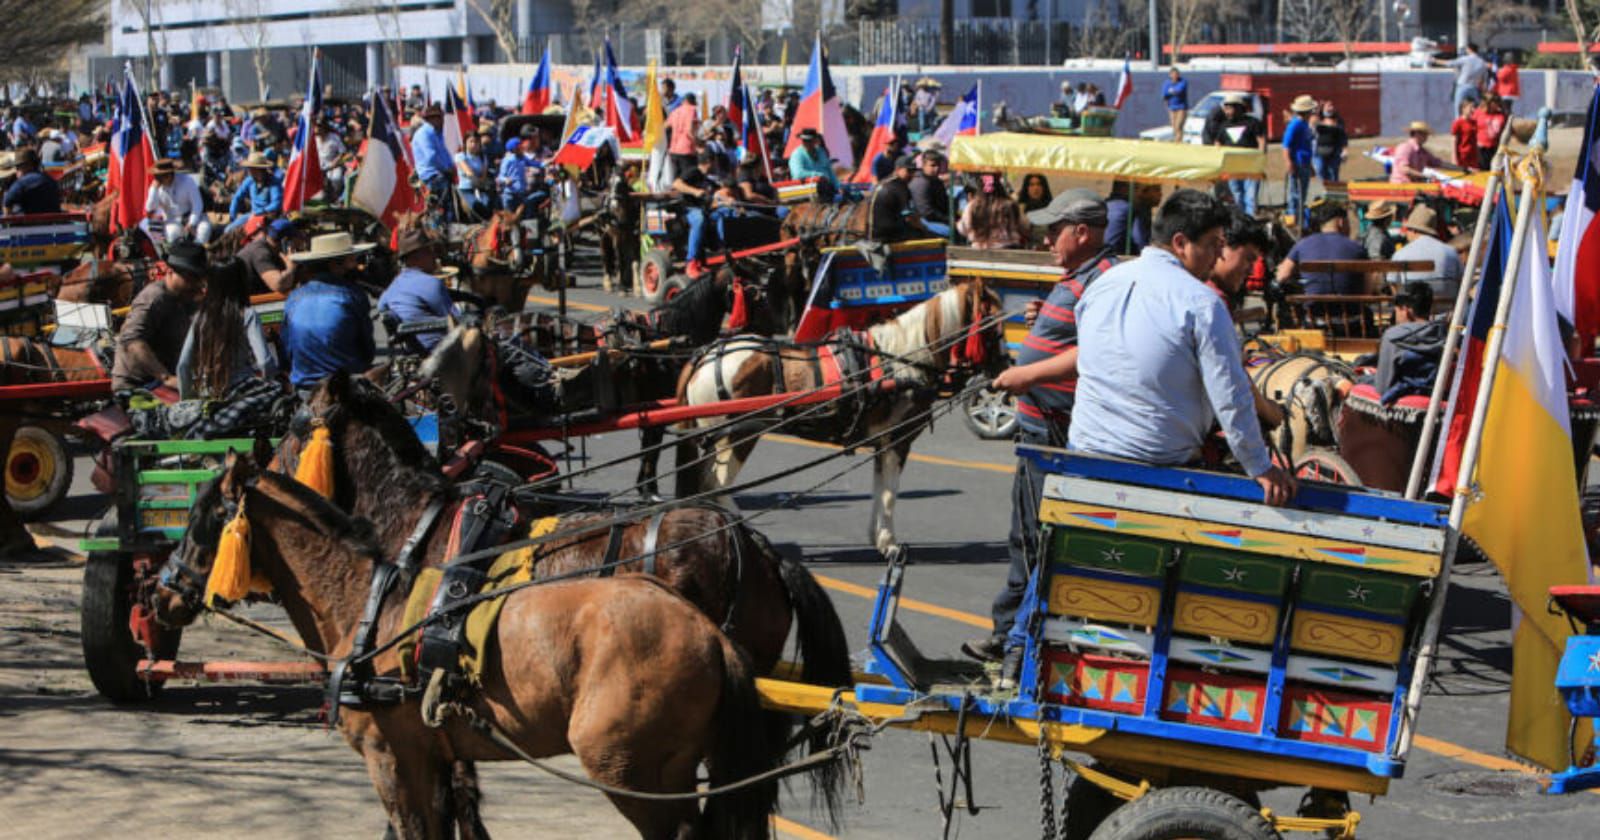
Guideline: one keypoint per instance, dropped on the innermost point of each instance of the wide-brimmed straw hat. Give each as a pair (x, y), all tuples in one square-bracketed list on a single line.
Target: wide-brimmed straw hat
[(330, 246), (1380, 210), (1422, 220), (1234, 97), (257, 160), (1303, 104), (929, 82), (1418, 125)]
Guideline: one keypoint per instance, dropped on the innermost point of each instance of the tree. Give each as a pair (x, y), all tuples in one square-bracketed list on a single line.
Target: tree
[(1185, 17), (250, 20), (1490, 18), (1106, 30), (501, 15), (155, 45), (1581, 14), (40, 35), (1350, 19)]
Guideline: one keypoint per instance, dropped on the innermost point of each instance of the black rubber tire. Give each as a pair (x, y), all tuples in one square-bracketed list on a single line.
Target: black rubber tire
[(1326, 465), (1088, 805), (655, 266), (54, 465), (1186, 812), (110, 653), (990, 415), (674, 286)]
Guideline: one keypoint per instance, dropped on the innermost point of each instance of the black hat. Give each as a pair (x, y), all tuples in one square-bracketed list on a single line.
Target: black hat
[(905, 162), (1417, 296), (187, 258), (1079, 207), (810, 134)]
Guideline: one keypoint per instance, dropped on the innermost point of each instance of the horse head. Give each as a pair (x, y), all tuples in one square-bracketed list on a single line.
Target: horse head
[(179, 594), (983, 349), (460, 367)]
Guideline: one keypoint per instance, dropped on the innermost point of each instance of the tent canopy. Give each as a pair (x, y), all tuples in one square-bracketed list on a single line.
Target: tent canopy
[(1104, 157)]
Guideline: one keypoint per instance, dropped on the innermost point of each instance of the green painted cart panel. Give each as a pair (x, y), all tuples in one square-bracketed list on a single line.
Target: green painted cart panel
[(1097, 550), (1235, 570), (1372, 592)]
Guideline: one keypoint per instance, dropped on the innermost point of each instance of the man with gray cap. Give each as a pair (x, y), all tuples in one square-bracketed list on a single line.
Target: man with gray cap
[(892, 219), (1043, 380)]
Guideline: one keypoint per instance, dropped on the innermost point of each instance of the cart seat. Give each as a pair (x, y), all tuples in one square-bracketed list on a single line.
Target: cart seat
[(1582, 602), (1367, 392)]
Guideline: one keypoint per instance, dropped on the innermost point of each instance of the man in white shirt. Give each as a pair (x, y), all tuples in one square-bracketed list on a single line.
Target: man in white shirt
[(331, 152), (174, 201)]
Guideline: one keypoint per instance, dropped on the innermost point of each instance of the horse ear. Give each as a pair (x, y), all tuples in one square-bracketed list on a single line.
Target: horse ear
[(262, 450), (339, 385)]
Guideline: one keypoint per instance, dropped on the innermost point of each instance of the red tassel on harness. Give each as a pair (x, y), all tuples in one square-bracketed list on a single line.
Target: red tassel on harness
[(974, 349), (739, 315)]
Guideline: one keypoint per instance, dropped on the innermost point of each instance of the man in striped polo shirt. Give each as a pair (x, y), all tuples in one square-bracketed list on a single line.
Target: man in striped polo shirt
[(1043, 380)]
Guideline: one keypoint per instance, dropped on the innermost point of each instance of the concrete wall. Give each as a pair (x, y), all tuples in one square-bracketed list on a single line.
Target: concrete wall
[(1407, 95)]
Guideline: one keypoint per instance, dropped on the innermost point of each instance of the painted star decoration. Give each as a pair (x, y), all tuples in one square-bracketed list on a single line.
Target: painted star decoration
[(1367, 531), (1112, 555), (1358, 593), (1594, 661), (1233, 574)]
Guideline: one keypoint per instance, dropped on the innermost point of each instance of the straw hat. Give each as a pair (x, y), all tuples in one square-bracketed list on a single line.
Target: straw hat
[(929, 82), (1418, 125), (257, 160), (1234, 97), (1303, 104), (1380, 210), (1422, 220), (330, 246)]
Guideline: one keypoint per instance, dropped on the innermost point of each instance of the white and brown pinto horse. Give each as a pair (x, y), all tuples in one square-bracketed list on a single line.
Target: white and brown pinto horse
[(933, 346)]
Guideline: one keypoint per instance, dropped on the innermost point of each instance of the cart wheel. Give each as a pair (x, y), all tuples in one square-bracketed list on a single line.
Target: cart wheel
[(654, 269), (1327, 466), (110, 652), (1088, 805), (1186, 812), (674, 286), (991, 415), (38, 471)]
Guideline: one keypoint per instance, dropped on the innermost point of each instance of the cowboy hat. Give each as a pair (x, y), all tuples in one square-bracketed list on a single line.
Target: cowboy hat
[(330, 246), (1303, 104), (1418, 125), (413, 240), (929, 82), (164, 166), (1422, 220), (26, 156), (931, 144), (1234, 97), (257, 160), (1379, 210), (432, 111), (187, 258)]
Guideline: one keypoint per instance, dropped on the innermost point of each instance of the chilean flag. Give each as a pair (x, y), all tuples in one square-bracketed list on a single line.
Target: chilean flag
[(820, 109), (754, 143), (882, 133), (584, 144), (538, 96), (736, 104), (131, 158), (1124, 85), (962, 121), (457, 119), (303, 178), (383, 184), (615, 109), (1577, 268), (1469, 361)]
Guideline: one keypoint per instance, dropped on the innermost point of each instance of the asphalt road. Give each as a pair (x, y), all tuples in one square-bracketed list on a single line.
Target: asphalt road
[(953, 516)]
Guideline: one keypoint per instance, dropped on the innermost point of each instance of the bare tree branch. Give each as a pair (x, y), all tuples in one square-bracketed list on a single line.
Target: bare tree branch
[(501, 15), (249, 20)]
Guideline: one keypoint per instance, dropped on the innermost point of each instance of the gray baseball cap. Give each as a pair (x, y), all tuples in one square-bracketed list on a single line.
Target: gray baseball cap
[(1078, 206)]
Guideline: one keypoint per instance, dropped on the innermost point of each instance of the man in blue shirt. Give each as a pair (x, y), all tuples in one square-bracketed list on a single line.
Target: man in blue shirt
[(1176, 93), (416, 294), (512, 179), (327, 323), (1158, 357), (261, 194), (1299, 143), (33, 191), (435, 168)]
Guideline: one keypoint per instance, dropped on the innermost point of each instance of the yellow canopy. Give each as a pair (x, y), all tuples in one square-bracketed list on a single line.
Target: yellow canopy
[(1103, 157)]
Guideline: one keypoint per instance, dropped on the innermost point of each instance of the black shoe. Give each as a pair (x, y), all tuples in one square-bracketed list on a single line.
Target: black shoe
[(1010, 670), (986, 649)]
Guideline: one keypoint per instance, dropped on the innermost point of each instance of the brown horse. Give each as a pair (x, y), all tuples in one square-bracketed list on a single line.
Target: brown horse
[(617, 221), (112, 281), (503, 265), (818, 225), (601, 669), (25, 361), (936, 343)]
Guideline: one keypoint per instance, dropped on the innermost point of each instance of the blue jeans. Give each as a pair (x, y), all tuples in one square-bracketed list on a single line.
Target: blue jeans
[(1244, 192), (1299, 184), (696, 217), (1465, 93), (1327, 167), (939, 228)]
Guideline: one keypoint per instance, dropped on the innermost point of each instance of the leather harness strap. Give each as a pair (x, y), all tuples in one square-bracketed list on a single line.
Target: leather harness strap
[(651, 534), (608, 566)]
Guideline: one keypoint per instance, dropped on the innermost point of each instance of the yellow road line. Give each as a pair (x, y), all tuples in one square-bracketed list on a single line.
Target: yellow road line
[(571, 304), (905, 603), (790, 828), (987, 466), (1421, 742)]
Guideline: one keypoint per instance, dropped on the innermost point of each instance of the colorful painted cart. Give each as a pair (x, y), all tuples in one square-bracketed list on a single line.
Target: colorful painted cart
[(1197, 646)]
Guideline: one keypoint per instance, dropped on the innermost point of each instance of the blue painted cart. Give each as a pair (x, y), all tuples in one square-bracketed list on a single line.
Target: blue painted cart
[(1578, 680), (1197, 646)]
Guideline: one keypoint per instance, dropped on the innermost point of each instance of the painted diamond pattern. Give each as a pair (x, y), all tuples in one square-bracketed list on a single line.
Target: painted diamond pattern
[(1213, 700), (1333, 720), (1244, 706), (1221, 656), (1302, 716), (1125, 688), (1178, 697)]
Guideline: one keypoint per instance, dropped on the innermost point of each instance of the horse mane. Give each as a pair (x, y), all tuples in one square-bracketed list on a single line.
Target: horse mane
[(356, 534), (906, 335), (367, 404)]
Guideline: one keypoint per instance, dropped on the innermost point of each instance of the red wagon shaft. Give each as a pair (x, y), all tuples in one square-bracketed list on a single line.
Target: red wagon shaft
[(86, 389)]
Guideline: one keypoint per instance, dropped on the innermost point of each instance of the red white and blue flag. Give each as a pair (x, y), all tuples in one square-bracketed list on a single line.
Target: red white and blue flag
[(820, 109), (584, 144), (962, 121), (1469, 359), (303, 178), (736, 104), (1577, 268), (458, 119), (383, 184), (538, 96), (132, 156), (752, 143), (616, 112), (882, 133), (1124, 85)]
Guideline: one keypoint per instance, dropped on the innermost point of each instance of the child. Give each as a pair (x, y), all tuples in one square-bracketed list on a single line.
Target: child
[(1465, 131)]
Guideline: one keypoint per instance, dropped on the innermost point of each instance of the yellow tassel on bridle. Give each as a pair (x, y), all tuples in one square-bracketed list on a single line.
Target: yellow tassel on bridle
[(316, 462), (230, 577)]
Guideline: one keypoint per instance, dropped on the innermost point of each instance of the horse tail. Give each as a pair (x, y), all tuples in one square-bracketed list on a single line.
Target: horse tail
[(742, 748), (824, 660)]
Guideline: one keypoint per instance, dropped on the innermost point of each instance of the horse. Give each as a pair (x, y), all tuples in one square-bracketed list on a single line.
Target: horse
[(818, 225), (470, 352), (1308, 386), (918, 351), (113, 281), (618, 224), (596, 668)]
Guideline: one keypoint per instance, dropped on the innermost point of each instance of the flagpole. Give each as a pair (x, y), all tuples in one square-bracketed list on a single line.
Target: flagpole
[(1454, 338), (1469, 463)]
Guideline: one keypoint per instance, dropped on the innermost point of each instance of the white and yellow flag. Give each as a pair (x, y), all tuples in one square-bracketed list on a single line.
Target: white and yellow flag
[(659, 166), (1525, 513)]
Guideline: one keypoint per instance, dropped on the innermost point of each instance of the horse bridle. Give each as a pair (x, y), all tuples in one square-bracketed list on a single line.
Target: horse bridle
[(177, 576)]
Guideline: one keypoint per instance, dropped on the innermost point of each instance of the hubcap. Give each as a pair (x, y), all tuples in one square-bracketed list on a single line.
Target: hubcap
[(28, 471)]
